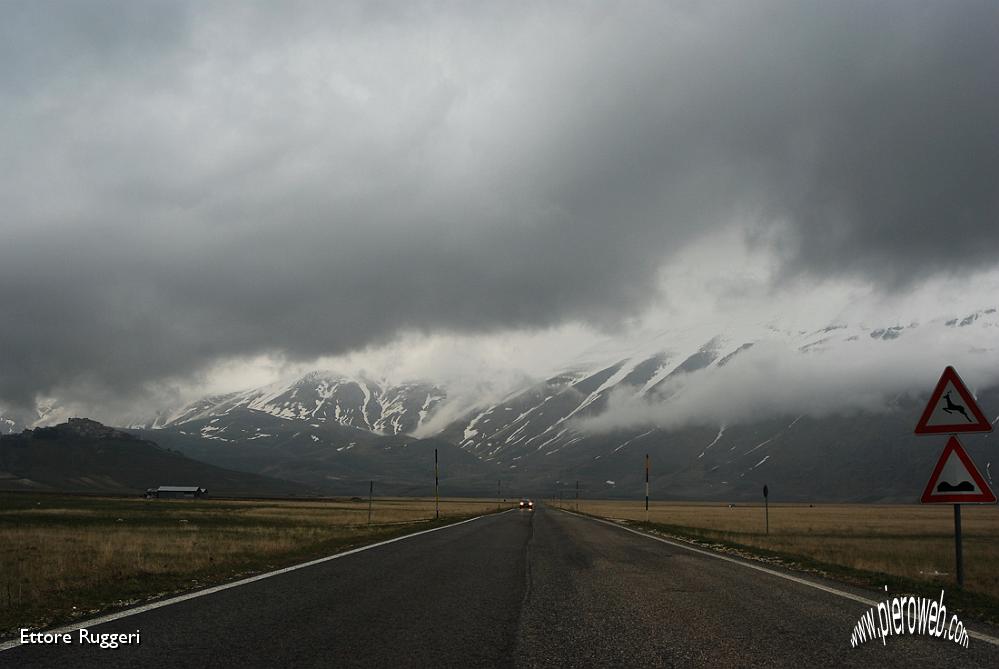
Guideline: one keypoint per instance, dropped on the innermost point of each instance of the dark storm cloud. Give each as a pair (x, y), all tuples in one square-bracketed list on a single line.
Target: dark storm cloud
[(184, 183)]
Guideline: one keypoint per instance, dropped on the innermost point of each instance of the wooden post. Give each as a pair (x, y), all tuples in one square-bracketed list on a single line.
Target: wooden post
[(371, 492)]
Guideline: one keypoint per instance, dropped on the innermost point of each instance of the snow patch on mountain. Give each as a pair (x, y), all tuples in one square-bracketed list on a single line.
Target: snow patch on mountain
[(7, 425), (323, 397)]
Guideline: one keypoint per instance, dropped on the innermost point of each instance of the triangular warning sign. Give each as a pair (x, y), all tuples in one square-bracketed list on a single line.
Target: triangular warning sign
[(952, 408), (956, 480)]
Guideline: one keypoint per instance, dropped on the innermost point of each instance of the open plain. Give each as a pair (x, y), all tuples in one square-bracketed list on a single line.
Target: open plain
[(66, 556)]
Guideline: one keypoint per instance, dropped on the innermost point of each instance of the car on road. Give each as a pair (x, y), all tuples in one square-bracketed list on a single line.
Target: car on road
[(527, 504)]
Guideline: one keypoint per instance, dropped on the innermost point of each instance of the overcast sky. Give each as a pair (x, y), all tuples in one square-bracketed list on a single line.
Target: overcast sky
[(201, 194)]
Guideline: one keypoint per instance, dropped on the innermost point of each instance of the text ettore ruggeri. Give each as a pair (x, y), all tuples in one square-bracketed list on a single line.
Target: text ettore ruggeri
[(82, 637)]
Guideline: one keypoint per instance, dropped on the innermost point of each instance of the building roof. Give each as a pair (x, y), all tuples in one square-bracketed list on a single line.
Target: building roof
[(179, 488)]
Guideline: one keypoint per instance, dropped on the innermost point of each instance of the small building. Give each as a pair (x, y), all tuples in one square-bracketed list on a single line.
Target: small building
[(176, 492)]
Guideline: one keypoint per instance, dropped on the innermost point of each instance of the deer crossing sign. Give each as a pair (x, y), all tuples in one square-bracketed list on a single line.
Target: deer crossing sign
[(952, 408)]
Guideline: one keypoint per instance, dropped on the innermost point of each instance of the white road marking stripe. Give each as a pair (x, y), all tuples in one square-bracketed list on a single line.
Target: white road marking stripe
[(818, 586), (219, 588)]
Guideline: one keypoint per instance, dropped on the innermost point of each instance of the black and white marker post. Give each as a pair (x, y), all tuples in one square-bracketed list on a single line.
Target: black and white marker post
[(766, 507), (646, 487), (437, 480)]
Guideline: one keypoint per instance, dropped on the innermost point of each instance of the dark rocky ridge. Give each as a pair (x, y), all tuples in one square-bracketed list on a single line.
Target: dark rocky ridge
[(83, 455)]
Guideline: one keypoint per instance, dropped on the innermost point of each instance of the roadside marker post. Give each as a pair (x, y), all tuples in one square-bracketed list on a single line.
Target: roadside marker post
[(766, 507), (371, 493), (955, 479), (437, 481), (646, 487), (577, 495)]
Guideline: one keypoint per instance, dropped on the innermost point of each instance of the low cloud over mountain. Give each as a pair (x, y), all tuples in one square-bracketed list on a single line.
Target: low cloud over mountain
[(187, 184)]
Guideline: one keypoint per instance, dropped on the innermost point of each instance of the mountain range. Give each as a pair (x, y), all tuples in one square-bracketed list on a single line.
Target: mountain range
[(338, 432)]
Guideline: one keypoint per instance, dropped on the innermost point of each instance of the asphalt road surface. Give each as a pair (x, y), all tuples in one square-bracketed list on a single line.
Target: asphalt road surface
[(519, 589)]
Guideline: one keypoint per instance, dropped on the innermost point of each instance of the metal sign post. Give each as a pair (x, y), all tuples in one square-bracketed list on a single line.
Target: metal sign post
[(957, 546), (766, 507)]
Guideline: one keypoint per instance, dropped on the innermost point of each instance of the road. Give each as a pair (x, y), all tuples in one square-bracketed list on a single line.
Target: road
[(519, 589)]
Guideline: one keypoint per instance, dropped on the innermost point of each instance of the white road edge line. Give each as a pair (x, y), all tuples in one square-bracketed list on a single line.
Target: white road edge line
[(235, 584), (818, 586)]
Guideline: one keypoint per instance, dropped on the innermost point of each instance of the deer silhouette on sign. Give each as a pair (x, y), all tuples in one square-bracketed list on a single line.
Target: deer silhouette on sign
[(955, 408)]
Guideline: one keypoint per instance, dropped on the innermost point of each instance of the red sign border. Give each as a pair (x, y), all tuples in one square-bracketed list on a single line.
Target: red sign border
[(950, 375), (930, 497)]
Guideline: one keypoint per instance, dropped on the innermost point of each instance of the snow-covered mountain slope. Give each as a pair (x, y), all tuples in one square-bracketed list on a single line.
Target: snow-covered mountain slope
[(543, 427), (321, 398), (540, 418)]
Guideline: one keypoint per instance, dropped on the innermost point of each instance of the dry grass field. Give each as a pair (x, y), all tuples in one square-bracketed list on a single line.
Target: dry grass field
[(69, 556), (911, 542)]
